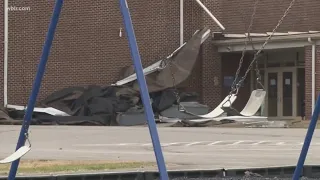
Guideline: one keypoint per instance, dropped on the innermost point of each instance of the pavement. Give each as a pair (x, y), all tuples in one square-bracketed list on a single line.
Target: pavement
[(183, 148)]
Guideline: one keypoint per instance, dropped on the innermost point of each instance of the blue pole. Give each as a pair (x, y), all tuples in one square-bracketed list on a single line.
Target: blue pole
[(37, 84), (143, 89), (307, 141)]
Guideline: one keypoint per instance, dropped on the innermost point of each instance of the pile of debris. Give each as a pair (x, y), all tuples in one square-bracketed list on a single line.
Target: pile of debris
[(120, 103), (96, 105)]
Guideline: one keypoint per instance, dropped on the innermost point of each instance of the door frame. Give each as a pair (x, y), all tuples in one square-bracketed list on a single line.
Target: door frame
[(279, 71)]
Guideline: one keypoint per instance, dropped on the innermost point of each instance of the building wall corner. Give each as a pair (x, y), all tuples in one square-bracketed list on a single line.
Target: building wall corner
[(308, 79)]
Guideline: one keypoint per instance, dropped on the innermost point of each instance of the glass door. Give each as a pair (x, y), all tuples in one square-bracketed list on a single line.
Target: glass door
[(281, 93), (273, 95), (287, 94)]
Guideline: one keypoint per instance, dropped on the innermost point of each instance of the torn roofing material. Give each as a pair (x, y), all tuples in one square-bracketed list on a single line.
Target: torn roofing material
[(177, 68), (95, 106), (48, 110), (158, 65)]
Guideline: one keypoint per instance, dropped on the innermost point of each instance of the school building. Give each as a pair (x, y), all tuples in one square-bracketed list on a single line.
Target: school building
[(88, 48)]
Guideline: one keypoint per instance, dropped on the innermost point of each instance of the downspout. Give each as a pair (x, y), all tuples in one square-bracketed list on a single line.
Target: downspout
[(5, 53), (313, 73), (181, 22)]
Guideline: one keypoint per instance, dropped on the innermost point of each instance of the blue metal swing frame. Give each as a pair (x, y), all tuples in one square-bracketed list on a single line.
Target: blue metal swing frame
[(140, 76)]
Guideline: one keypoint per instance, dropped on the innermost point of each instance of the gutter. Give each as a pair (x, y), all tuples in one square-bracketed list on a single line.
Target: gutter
[(300, 37)]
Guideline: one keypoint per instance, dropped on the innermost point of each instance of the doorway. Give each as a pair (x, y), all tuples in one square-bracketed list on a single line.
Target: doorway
[(281, 86)]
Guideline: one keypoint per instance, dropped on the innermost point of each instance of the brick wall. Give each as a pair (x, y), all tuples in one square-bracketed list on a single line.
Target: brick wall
[(308, 85), (87, 48), (303, 16), (211, 62), (308, 77)]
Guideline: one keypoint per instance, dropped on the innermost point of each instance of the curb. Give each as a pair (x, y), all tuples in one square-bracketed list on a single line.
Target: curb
[(309, 171)]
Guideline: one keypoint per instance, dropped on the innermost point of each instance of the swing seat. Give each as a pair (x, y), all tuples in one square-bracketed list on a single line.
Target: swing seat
[(16, 155), (254, 103), (218, 111)]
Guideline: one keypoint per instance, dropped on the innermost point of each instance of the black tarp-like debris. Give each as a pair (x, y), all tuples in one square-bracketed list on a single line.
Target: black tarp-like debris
[(98, 106), (4, 115), (91, 105), (165, 99)]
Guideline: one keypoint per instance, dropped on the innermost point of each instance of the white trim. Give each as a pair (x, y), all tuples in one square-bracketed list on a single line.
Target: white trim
[(256, 35), (181, 22), (313, 74), (283, 34), (295, 33), (5, 54), (276, 33), (270, 45), (276, 37)]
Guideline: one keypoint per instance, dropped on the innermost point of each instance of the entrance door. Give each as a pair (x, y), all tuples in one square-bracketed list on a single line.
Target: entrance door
[(281, 93)]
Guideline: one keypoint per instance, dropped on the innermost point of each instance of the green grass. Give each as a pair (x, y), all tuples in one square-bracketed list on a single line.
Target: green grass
[(48, 166)]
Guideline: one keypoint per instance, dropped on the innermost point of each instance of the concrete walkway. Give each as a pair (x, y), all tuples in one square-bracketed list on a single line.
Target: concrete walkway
[(186, 148)]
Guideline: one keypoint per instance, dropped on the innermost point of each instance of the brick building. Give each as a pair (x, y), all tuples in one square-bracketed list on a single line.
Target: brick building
[(87, 48)]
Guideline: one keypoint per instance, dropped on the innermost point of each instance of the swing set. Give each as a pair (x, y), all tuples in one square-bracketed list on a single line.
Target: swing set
[(257, 96), (255, 99)]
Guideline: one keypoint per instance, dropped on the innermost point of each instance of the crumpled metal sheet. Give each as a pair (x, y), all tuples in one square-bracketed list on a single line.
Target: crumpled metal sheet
[(183, 62)]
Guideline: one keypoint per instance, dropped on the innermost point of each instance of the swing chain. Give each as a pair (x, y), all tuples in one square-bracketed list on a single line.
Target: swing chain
[(266, 42), (26, 134), (236, 86), (258, 75), (27, 138)]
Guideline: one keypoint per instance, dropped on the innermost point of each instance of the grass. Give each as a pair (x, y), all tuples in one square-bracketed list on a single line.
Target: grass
[(53, 166)]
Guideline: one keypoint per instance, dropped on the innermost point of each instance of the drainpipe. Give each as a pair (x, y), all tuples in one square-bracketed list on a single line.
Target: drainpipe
[(5, 53), (181, 22), (313, 73)]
